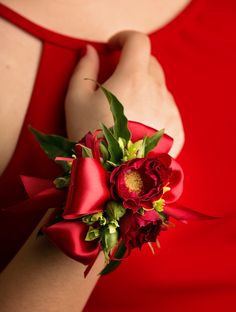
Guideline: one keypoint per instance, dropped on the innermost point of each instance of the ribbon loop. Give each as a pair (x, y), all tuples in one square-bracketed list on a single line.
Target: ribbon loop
[(88, 191)]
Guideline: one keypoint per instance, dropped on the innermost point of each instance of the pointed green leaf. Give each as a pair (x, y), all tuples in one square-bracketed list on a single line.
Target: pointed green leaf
[(141, 151), (115, 210), (54, 145), (113, 264), (86, 152), (120, 121), (109, 239), (113, 145), (151, 142), (104, 151)]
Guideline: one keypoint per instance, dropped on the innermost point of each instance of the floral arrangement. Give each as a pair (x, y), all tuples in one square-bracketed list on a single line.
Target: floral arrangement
[(121, 186)]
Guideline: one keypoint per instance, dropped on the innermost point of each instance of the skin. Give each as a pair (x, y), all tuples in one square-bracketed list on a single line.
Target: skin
[(32, 281), (20, 53), (146, 84)]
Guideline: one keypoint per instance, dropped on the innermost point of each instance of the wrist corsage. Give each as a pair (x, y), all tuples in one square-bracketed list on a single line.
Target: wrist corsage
[(121, 186)]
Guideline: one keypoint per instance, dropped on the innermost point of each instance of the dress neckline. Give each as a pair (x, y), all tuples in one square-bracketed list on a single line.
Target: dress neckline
[(46, 34)]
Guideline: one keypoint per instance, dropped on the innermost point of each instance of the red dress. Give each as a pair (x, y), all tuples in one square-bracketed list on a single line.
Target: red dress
[(195, 269)]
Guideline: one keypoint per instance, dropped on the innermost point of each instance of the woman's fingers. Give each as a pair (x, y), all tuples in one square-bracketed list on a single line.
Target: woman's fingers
[(87, 67), (135, 57), (135, 52), (80, 90), (138, 81), (156, 71)]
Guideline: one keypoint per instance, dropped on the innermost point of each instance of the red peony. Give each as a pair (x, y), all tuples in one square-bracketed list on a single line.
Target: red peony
[(140, 181), (137, 229)]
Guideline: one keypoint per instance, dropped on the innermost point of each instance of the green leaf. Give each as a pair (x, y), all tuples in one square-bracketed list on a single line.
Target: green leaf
[(122, 144), (120, 121), (104, 151), (113, 145), (141, 151), (115, 210), (86, 152), (92, 234), (151, 142), (113, 264), (109, 239), (54, 145)]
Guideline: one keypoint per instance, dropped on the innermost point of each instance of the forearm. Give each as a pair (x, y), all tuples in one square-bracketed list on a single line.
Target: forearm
[(42, 278)]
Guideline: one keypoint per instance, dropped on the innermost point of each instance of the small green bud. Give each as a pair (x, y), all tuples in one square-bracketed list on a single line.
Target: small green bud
[(159, 204), (61, 182), (90, 219), (141, 211), (92, 234)]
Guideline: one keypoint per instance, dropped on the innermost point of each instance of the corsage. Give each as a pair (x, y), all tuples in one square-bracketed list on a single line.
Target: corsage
[(121, 189)]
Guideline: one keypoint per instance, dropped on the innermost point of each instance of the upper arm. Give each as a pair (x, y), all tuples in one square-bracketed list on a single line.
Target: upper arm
[(19, 57)]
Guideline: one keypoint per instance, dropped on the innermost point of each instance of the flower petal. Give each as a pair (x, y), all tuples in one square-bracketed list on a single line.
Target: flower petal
[(149, 216), (88, 190), (181, 213), (70, 238), (139, 131)]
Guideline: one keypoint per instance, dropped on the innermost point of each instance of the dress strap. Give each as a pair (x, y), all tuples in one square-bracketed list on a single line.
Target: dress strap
[(43, 33)]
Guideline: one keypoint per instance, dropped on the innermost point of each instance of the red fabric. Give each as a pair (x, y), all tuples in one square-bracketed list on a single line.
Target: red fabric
[(88, 191), (195, 268)]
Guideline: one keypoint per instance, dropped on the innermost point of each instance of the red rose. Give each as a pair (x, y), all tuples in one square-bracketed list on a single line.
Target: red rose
[(140, 181), (137, 229)]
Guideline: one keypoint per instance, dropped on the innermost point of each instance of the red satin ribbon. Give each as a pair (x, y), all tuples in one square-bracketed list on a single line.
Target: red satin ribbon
[(88, 191), (42, 196), (87, 194), (70, 238), (139, 131)]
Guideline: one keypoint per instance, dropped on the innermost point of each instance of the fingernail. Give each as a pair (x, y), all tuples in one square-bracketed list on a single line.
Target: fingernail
[(87, 49)]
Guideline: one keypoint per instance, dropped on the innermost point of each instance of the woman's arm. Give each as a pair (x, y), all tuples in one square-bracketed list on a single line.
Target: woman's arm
[(41, 278)]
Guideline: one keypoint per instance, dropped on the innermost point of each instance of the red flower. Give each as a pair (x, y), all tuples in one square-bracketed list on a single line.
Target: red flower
[(92, 141), (137, 229), (140, 181)]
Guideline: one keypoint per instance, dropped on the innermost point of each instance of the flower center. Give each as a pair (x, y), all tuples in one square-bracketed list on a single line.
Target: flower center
[(133, 181)]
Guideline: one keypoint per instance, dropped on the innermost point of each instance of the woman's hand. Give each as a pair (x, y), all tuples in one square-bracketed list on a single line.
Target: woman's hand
[(139, 83)]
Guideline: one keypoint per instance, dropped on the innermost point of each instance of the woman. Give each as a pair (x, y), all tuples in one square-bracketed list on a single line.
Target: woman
[(137, 73)]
